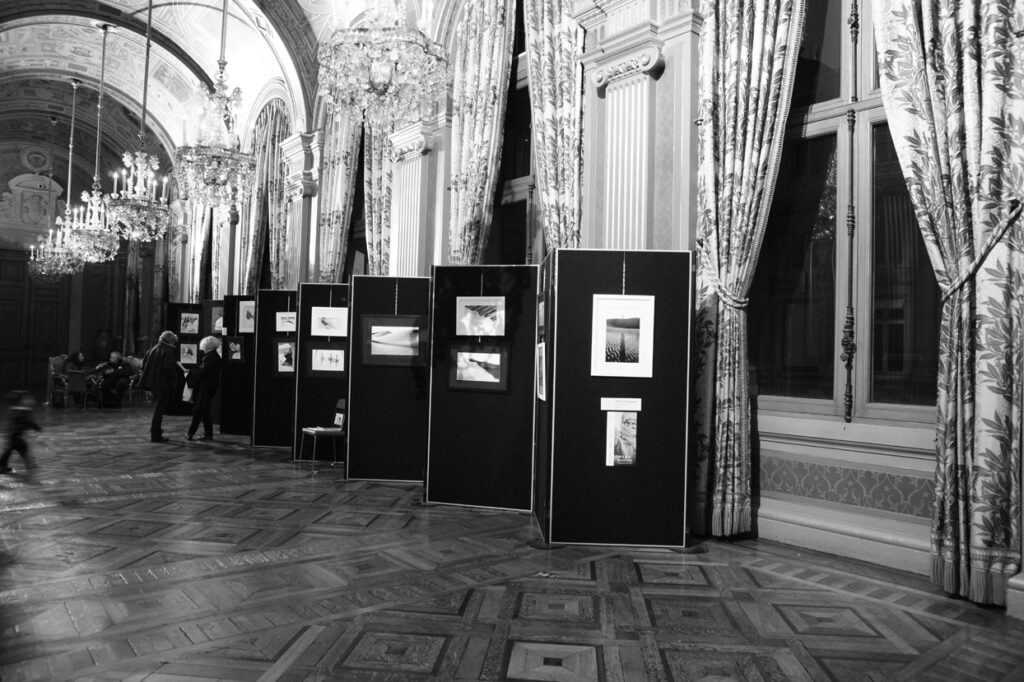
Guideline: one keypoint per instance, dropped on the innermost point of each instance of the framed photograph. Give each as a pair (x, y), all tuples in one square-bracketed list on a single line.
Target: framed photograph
[(394, 339), (620, 443), (216, 319), (189, 323), (188, 353), (324, 321), (285, 322), (542, 379), (325, 359), (622, 341), (285, 356), (234, 349), (246, 317), (479, 315), (477, 367)]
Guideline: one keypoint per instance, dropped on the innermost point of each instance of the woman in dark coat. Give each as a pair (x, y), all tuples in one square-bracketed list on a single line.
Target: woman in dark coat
[(160, 372), (205, 380)]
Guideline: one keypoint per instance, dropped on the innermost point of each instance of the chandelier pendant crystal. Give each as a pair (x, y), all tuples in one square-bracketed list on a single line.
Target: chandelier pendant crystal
[(215, 171), (90, 234), (385, 72), (138, 211)]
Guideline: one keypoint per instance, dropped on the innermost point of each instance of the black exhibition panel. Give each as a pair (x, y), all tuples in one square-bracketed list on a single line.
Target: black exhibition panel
[(480, 445), (273, 395), (389, 378), (238, 353), (322, 359), (185, 320), (614, 313), (210, 324)]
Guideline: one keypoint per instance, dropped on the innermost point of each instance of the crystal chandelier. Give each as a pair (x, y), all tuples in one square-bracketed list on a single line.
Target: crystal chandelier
[(384, 72), (139, 212), (214, 170), (90, 235), (52, 259)]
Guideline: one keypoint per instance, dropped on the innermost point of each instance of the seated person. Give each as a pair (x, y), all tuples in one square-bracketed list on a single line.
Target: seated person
[(75, 362), (115, 376)]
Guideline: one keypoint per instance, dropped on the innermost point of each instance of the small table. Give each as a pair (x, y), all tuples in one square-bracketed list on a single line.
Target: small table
[(332, 432)]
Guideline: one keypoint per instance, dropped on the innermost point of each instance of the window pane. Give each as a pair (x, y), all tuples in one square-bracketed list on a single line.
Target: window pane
[(905, 297), (792, 299), (818, 69)]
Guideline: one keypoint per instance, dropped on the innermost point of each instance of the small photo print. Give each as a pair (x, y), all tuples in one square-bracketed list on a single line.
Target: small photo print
[(327, 360), (233, 349), (542, 383), (189, 353), (393, 339), (285, 322), (286, 357), (216, 319), (622, 343), (620, 448), (480, 316), (246, 317), (479, 368), (328, 321), (189, 323)]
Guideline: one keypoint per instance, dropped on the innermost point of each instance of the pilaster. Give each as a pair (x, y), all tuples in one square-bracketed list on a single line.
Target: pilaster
[(300, 188)]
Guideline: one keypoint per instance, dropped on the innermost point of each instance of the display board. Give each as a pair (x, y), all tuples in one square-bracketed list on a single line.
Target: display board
[(616, 336), (238, 353), (389, 378), (211, 323), (273, 396), (185, 320), (483, 339), (321, 362)]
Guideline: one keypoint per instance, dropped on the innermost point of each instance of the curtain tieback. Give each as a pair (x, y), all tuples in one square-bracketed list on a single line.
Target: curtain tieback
[(710, 274), (997, 234)]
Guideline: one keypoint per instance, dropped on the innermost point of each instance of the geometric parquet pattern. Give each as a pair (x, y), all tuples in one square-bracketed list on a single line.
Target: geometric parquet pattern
[(126, 560)]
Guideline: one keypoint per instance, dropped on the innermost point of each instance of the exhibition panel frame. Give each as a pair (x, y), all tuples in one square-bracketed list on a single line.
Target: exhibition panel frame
[(238, 353), (273, 395), (614, 397), (482, 383), (185, 320), (389, 378)]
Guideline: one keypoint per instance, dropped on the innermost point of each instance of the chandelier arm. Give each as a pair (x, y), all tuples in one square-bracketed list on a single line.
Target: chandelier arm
[(145, 78), (99, 107)]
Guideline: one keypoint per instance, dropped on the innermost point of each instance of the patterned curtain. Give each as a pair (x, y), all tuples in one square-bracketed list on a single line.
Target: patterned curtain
[(748, 51), (554, 47), (265, 206), (377, 149), (197, 217), (482, 60), (337, 189), (952, 77)]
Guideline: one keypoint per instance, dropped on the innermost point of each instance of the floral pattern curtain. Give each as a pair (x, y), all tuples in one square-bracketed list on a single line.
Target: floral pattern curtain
[(377, 171), (747, 52), (482, 61), (952, 78), (554, 48), (265, 204), (197, 225), (337, 189)]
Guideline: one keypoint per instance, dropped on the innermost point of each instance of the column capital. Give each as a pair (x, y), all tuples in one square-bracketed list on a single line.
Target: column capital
[(409, 142), (297, 155), (645, 60)]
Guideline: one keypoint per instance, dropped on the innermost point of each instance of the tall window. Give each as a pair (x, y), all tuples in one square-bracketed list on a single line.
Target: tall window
[(814, 276)]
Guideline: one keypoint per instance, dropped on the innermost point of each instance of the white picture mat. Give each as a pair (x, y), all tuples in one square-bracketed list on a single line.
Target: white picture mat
[(328, 321), (246, 317), (479, 315), (327, 360), (285, 356), (621, 404), (189, 353), (635, 333), (285, 322), (542, 380), (189, 323)]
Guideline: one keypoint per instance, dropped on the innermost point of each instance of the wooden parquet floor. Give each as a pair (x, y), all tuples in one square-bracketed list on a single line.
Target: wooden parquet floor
[(126, 560)]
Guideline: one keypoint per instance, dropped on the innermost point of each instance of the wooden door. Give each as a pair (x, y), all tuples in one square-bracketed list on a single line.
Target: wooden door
[(33, 324)]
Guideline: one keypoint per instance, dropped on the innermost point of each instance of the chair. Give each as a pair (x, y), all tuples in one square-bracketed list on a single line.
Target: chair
[(55, 380), (333, 433), (78, 382), (134, 392)]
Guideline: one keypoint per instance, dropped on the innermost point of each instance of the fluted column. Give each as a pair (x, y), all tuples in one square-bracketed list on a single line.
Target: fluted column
[(300, 188), (639, 140), (411, 202)]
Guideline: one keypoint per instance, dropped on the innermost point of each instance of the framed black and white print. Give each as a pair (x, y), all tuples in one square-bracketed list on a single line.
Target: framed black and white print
[(246, 317), (542, 379), (234, 349), (477, 367), (188, 323), (188, 353), (285, 356), (285, 321), (622, 342), (325, 359), (394, 339), (328, 321), (216, 319), (479, 315)]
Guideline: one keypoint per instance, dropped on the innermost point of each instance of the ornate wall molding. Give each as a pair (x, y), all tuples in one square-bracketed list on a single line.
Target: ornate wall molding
[(408, 146), (645, 61)]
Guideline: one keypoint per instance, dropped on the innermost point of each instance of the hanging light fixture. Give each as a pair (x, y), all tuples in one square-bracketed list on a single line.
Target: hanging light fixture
[(90, 234), (52, 258), (139, 211), (214, 171), (384, 72)]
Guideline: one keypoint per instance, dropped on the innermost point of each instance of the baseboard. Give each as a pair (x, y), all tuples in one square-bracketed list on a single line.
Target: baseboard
[(903, 545)]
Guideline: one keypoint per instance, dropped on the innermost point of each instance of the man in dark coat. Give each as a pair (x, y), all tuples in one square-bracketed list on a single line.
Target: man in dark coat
[(116, 377), (160, 372), (205, 379)]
